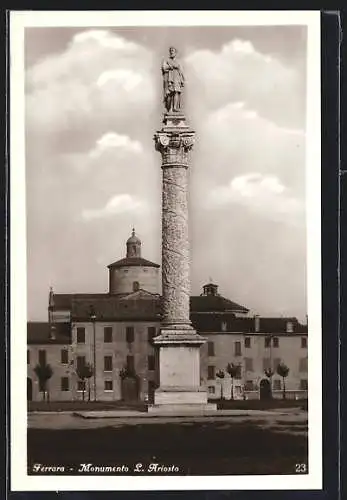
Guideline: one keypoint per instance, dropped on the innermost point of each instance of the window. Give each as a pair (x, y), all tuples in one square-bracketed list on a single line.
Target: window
[(211, 389), (64, 356), (249, 364), (151, 333), (28, 357), (108, 333), (224, 326), (289, 327), (108, 385), (237, 390), (276, 342), (64, 383), (248, 342), (238, 375), (108, 366), (237, 348), (81, 335), (267, 342), (211, 372), (130, 364), (303, 365), (303, 342), (42, 357), (303, 385), (210, 348), (276, 362), (81, 361), (249, 386), (136, 286), (81, 385), (151, 362), (129, 334), (266, 363), (277, 385)]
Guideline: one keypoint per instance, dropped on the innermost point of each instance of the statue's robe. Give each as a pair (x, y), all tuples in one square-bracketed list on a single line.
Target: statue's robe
[(173, 78)]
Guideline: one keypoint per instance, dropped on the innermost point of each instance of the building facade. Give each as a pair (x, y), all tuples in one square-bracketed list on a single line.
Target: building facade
[(113, 334)]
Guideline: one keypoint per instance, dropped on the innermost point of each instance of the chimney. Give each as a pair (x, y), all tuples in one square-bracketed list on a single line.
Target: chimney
[(52, 330), (289, 327), (256, 323), (51, 297), (50, 305)]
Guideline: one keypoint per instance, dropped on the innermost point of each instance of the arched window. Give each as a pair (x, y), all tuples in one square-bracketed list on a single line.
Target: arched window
[(136, 286)]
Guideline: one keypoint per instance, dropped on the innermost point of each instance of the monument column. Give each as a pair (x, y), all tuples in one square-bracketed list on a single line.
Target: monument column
[(178, 343)]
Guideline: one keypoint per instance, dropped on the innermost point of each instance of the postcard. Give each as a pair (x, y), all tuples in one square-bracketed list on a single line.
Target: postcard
[(165, 250)]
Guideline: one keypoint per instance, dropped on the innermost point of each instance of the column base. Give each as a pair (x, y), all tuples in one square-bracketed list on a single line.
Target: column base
[(181, 401), (183, 410)]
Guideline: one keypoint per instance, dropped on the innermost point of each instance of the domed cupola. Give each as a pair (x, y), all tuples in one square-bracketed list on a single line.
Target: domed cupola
[(133, 246), (133, 273)]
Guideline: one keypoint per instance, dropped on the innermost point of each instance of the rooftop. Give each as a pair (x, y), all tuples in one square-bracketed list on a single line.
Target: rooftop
[(133, 261), (63, 301), (227, 323), (206, 303), (134, 308), (209, 312)]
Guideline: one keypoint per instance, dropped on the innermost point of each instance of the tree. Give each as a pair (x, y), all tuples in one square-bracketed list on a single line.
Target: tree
[(234, 371), (44, 372), (85, 372), (89, 372), (269, 372), (220, 374), (282, 371)]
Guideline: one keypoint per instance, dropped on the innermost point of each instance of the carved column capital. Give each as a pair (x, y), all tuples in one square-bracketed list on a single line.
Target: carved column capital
[(174, 147)]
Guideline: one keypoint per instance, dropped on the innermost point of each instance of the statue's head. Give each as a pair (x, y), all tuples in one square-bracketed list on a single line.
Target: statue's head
[(172, 51)]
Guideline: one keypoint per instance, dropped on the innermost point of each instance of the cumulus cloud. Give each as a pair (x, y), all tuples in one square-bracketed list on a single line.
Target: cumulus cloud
[(126, 78), (239, 72), (92, 79), (118, 204), (263, 194), (237, 112), (113, 141), (244, 141), (105, 39)]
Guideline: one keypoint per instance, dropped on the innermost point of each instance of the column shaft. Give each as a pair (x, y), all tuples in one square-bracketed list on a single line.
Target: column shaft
[(175, 246)]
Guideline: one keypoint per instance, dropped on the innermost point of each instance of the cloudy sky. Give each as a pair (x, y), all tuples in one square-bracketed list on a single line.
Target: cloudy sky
[(93, 103)]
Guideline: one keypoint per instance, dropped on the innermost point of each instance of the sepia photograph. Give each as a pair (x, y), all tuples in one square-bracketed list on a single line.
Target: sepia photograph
[(165, 235)]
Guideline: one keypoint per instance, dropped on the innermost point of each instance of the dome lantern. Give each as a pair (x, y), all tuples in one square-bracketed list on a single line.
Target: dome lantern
[(133, 246)]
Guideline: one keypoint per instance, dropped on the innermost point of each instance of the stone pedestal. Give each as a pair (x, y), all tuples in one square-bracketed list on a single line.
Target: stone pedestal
[(178, 343), (179, 368)]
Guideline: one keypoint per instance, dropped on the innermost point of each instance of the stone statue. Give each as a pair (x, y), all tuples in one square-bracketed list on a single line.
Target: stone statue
[(173, 80)]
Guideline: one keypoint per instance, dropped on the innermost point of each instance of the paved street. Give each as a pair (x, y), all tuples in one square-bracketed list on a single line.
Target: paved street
[(230, 444), (290, 421)]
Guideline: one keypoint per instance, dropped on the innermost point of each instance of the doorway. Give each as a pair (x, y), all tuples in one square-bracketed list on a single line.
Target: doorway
[(265, 389), (130, 389)]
